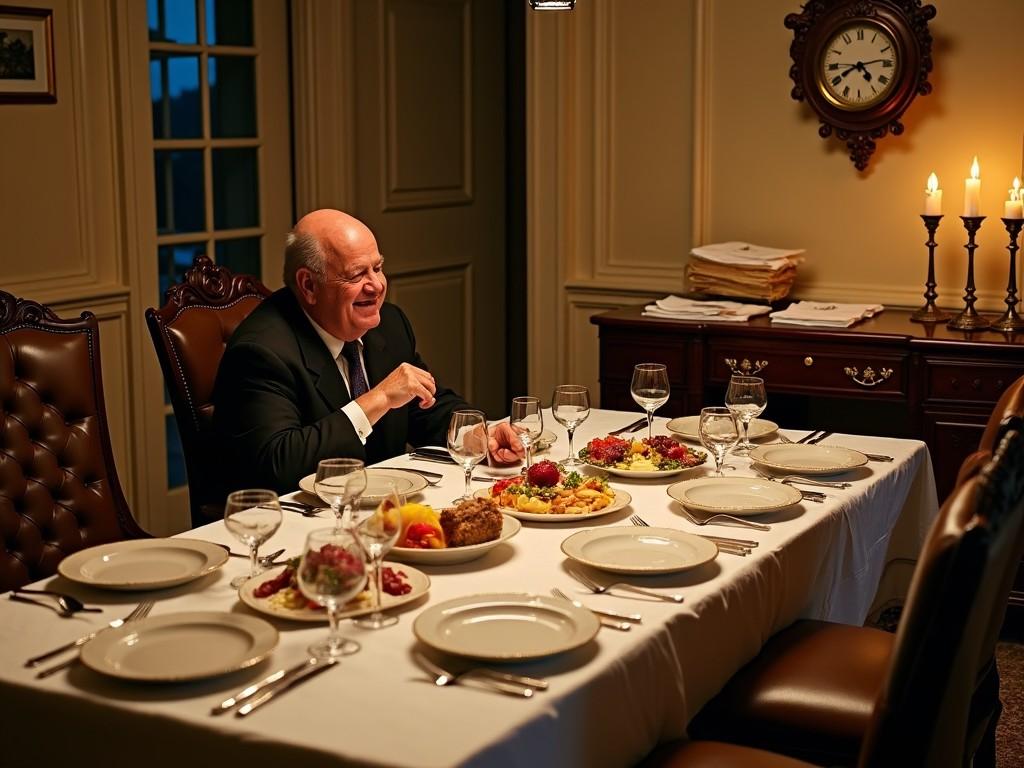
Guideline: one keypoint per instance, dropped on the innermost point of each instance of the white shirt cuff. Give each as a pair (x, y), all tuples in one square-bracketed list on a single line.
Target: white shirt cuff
[(358, 418)]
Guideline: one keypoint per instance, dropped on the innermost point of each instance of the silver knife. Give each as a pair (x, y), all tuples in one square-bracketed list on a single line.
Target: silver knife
[(35, 661), (285, 684), (245, 693)]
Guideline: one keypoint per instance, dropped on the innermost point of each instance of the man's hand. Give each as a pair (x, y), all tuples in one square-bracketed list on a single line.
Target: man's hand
[(402, 385), (504, 446)]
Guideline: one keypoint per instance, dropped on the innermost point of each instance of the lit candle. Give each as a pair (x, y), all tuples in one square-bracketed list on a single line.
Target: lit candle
[(933, 197), (972, 191), (1014, 207)]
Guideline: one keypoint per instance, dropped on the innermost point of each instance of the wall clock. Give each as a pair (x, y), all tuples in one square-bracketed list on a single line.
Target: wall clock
[(859, 64)]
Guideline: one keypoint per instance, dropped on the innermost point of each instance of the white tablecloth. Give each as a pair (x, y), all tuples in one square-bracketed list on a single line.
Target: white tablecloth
[(608, 704)]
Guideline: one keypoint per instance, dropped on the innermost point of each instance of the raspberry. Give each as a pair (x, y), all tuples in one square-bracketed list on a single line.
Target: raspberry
[(543, 474)]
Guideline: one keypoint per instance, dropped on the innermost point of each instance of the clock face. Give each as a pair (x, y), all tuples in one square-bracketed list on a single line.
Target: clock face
[(859, 66)]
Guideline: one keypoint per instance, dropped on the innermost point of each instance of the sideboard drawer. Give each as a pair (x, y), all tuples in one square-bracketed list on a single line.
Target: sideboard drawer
[(963, 381)]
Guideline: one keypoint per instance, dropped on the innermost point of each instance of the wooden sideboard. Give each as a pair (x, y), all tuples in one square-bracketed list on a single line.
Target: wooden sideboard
[(883, 376)]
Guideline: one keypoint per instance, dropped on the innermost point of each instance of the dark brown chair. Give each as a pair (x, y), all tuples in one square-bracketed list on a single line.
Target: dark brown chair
[(59, 491), (922, 709), (190, 333), (1010, 406)]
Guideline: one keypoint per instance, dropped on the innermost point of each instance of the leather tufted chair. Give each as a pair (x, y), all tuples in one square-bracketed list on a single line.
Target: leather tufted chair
[(1009, 407), (851, 695), (59, 491), (190, 333)]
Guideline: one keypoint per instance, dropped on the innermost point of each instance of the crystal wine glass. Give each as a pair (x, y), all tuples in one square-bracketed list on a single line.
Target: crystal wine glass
[(465, 444), (252, 516), (332, 571), (570, 405), (378, 532), (527, 419), (650, 390), (718, 433), (746, 397), (340, 483)]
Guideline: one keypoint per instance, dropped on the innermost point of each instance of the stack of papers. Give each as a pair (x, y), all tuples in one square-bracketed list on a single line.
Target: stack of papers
[(824, 314), (742, 269), (678, 308)]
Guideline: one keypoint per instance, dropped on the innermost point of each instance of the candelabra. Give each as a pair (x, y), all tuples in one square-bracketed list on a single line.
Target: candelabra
[(1010, 321), (929, 313), (969, 319)]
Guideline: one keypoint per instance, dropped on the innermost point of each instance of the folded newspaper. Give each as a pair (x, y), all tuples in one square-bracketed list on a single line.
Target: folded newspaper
[(824, 314), (678, 308), (743, 270)]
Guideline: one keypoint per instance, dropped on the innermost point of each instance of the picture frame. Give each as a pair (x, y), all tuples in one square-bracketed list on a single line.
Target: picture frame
[(26, 56)]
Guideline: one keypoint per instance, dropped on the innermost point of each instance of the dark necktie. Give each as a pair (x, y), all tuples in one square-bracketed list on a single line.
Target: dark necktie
[(356, 378)]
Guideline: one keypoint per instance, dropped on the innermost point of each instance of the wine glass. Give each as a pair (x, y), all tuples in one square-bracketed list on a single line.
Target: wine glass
[(570, 405), (340, 483), (378, 532), (746, 398), (718, 433), (527, 419), (252, 516), (331, 573), (467, 443), (650, 390)]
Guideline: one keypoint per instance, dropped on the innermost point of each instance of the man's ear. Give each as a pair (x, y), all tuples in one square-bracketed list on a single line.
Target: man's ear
[(305, 283)]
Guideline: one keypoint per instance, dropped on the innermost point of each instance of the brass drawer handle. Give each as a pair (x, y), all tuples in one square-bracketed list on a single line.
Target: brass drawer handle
[(746, 368), (870, 378)]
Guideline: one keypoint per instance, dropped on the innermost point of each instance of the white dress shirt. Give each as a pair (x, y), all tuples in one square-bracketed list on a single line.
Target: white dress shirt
[(351, 409)]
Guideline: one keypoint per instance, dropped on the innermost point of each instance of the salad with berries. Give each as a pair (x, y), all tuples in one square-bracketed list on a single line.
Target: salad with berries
[(545, 490), (653, 455)]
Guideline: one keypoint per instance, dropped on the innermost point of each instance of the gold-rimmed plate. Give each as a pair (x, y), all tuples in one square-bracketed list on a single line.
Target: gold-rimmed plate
[(639, 550), (621, 500), (406, 482), (807, 459), (139, 564), (687, 427), (734, 495)]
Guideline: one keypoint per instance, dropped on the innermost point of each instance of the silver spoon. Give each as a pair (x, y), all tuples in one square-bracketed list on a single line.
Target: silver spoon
[(68, 603)]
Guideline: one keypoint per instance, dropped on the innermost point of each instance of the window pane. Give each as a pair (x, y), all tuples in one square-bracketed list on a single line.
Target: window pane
[(179, 191), (172, 21), (172, 261), (229, 22), (176, 475), (232, 97), (241, 255), (174, 89), (235, 189)]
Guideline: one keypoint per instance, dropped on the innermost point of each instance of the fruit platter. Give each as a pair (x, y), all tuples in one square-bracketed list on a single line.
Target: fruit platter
[(658, 456), (458, 534)]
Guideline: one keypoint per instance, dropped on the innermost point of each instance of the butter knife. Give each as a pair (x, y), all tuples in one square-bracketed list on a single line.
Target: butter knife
[(285, 684), (245, 693), (35, 661)]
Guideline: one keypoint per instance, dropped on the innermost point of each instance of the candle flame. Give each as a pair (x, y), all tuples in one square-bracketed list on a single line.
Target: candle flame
[(975, 169), (933, 184), (1015, 192)]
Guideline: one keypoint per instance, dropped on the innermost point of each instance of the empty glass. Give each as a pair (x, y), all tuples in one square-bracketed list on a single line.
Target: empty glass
[(746, 397), (340, 483), (377, 532), (650, 390), (252, 516), (527, 418), (332, 571), (570, 405), (467, 443), (718, 433)]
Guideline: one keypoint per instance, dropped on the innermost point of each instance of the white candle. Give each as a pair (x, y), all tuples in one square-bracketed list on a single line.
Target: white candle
[(1014, 207), (972, 191), (933, 197)]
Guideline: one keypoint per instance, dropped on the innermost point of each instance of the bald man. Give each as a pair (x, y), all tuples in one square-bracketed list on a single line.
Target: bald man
[(326, 368)]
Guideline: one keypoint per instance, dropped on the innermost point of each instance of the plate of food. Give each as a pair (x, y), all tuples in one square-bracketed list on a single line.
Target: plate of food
[(276, 593), (469, 530), (406, 483), (807, 459), (687, 427), (545, 494), (658, 456)]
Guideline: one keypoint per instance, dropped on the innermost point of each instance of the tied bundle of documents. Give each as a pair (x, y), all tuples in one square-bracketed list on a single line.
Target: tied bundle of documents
[(824, 314), (678, 308), (744, 270)]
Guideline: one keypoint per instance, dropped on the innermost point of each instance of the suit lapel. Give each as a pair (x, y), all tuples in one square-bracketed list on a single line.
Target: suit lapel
[(316, 357), (375, 356)]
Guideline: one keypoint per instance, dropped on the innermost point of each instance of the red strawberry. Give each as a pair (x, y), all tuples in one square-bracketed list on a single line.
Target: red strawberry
[(543, 474)]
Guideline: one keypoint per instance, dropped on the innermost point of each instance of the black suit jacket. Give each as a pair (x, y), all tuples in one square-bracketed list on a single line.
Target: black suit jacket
[(279, 391)]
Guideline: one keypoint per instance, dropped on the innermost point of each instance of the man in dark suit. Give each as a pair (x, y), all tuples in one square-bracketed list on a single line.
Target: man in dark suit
[(326, 368)]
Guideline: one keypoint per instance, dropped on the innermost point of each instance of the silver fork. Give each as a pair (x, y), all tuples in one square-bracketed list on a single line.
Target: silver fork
[(729, 547), (443, 677), (730, 520), (141, 611), (599, 589), (801, 480), (556, 592)]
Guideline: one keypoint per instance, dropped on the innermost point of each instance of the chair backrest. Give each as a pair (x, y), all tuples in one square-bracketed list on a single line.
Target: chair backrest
[(1009, 406), (190, 333), (956, 604), (59, 491)]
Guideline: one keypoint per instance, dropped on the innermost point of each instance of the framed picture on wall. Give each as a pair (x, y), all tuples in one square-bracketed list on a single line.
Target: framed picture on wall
[(26, 55)]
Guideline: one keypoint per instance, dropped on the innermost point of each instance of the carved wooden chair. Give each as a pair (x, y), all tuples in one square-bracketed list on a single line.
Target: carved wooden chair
[(59, 491), (190, 333)]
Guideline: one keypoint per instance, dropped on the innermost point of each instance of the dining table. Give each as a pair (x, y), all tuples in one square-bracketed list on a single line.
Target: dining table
[(608, 702)]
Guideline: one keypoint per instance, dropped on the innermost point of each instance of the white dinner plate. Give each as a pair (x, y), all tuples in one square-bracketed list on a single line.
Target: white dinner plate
[(621, 500), (452, 555), (180, 646), (645, 474), (143, 563), (505, 626), (807, 459), (639, 550), (406, 482), (687, 427), (734, 495), (418, 580)]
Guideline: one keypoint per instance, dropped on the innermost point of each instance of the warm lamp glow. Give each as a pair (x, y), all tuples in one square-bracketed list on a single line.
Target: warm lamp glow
[(975, 169), (1015, 192), (933, 184)]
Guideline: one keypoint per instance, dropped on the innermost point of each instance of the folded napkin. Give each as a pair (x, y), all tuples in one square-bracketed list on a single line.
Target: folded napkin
[(678, 308), (824, 314)]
